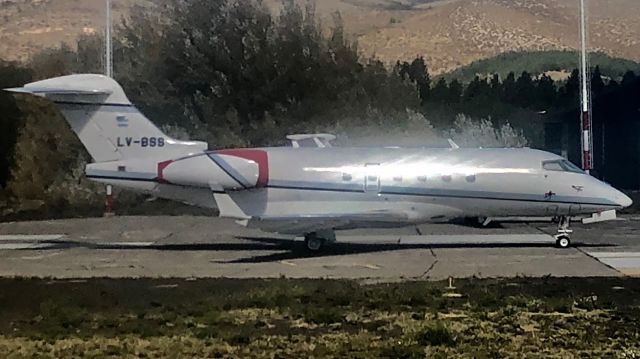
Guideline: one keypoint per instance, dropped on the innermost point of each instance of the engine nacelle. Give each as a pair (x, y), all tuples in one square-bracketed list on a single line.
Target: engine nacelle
[(212, 169)]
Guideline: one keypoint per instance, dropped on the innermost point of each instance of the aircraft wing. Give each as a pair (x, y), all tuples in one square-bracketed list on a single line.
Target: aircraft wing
[(311, 223), (301, 224)]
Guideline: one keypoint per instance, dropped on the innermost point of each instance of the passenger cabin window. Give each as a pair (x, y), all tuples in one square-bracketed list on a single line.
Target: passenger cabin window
[(561, 166)]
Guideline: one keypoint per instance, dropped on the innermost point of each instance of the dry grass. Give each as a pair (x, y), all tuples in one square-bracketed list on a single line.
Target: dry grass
[(319, 318)]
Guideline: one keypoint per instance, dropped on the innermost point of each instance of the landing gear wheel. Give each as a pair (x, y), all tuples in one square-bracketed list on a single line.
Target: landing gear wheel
[(563, 238), (313, 243), (563, 241)]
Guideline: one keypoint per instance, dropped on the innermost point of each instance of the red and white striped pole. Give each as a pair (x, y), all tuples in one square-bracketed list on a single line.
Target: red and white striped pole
[(109, 202), (586, 123)]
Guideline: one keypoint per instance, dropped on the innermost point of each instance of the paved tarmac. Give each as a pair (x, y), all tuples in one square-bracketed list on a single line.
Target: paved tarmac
[(199, 247)]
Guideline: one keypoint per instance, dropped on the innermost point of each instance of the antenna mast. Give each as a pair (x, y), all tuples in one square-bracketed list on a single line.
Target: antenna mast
[(586, 122), (108, 63)]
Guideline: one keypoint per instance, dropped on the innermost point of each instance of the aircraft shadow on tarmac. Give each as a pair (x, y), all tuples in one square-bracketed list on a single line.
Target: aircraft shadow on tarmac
[(288, 249)]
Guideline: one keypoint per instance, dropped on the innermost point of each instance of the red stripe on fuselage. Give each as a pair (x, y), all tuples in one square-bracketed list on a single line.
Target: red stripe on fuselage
[(161, 167), (258, 156)]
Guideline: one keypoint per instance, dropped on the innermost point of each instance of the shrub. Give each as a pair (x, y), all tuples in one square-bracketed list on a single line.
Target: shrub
[(436, 335)]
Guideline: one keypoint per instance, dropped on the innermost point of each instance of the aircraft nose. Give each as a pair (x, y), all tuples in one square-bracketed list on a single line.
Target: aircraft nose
[(623, 200)]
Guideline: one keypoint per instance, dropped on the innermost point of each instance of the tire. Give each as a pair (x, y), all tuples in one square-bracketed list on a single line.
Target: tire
[(563, 242), (313, 243)]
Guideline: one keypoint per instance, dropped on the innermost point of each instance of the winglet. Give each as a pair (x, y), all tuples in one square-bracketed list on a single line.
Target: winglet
[(453, 144)]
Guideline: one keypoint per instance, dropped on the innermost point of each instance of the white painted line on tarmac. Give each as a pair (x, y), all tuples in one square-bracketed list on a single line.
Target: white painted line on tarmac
[(451, 239), (40, 257), (31, 237), (625, 262), (615, 254), (20, 246)]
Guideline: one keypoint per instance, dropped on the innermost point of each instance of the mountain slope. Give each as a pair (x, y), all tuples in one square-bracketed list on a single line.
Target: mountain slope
[(448, 33), (451, 34)]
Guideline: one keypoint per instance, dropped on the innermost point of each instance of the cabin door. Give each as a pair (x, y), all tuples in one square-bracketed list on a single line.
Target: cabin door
[(372, 178)]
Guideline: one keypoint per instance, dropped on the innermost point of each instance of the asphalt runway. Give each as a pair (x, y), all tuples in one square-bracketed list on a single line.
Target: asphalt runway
[(204, 247)]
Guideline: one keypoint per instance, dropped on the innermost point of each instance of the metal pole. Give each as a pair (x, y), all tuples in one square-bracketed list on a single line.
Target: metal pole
[(108, 71), (586, 123), (109, 202)]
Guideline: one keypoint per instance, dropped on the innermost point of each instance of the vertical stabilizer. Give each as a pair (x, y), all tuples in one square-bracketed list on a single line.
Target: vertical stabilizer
[(109, 126)]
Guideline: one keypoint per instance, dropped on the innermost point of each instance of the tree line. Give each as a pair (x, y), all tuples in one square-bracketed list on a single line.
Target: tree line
[(233, 73), (485, 95)]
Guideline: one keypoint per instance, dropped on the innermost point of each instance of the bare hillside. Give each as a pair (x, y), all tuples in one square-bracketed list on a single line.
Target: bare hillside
[(449, 33), (454, 33)]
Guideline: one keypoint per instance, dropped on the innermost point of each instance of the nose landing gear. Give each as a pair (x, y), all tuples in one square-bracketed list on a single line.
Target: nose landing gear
[(563, 238)]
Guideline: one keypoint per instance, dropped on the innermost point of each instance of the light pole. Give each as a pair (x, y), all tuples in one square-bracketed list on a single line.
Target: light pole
[(108, 71), (108, 63), (586, 123)]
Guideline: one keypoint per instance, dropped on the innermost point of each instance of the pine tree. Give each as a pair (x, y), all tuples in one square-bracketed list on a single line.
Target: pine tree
[(418, 73), (495, 88), (440, 91), (597, 84), (628, 78), (568, 94), (525, 90), (508, 91), (455, 91), (546, 91)]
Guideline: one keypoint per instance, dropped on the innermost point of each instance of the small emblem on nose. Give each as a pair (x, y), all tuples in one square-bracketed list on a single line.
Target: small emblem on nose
[(578, 188)]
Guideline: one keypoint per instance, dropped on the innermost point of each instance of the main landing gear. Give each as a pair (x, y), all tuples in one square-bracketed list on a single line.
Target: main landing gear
[(316, 241), (563, 238)]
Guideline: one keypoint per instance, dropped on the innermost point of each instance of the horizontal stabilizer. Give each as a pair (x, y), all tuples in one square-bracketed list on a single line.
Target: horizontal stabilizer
[(92, 88), (59, 91)]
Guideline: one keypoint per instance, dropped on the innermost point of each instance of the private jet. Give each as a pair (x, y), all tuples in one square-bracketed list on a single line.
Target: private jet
[(311, 189)]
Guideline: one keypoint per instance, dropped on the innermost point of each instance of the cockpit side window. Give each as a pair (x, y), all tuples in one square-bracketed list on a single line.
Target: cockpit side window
[(552, 166), (571, 167), (561, 166)]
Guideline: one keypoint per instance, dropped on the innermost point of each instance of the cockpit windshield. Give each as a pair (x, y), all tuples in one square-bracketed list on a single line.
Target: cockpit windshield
[(561, 166)]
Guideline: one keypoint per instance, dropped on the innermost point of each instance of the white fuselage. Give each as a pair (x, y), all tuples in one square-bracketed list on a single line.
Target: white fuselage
[(375, 186), (305, 190)]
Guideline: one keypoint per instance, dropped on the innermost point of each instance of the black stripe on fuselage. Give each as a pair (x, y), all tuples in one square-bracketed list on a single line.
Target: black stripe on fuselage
[(226, 171), (390, 193), (317, 189)]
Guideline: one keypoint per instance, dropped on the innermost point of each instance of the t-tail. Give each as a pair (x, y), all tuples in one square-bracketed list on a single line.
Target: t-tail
[(109, 126)]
